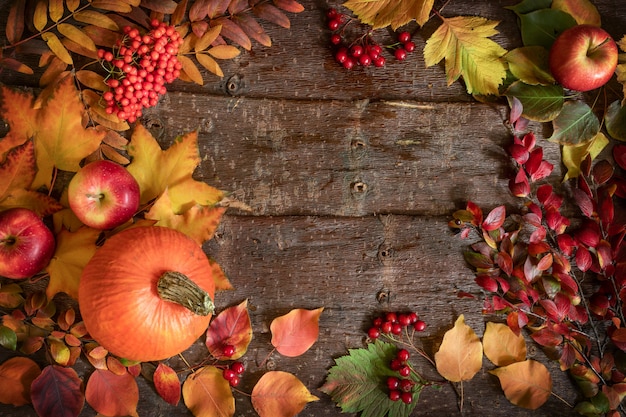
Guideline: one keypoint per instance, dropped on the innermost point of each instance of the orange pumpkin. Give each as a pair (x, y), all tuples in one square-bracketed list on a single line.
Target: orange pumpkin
[(147, 293)]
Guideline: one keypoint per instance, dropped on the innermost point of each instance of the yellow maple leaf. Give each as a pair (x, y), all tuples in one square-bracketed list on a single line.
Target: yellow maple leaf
[(61, 141), (463, 41), (73, 251), (157, 170), (382, 13), (198, 222), (18, 112)]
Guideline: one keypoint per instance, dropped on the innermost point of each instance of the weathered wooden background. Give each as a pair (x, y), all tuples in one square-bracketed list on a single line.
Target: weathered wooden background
[(351, 177)]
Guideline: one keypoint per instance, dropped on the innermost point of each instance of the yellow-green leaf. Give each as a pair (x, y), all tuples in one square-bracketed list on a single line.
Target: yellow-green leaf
[(526, 384), (76, 35), (502, 346), (464, 43), (381, 13), (530, 65), (57, 47), (573, 155), (583, 11), (460, 355)]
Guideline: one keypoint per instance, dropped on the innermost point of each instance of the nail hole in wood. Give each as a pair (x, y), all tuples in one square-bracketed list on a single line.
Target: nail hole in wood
[(359, 187)]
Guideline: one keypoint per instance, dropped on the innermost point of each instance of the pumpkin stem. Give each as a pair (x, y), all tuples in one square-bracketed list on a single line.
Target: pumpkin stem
[(178, 288)]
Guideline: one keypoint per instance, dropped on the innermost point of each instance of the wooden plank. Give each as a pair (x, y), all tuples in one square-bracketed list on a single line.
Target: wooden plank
[(343, 264), (348, 159)]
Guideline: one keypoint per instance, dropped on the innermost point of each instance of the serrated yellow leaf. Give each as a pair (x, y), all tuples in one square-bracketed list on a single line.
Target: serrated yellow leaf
[(460, 355), (18, 112), (57, 47), (191, 70), (382, 13), (73, 251), (464, 43), (210, 64), (224, 51)]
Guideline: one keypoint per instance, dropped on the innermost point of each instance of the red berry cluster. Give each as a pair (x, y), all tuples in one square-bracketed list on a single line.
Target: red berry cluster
[(233, 372), (401, 386), (139, 67), (363, 51), (393, 323)]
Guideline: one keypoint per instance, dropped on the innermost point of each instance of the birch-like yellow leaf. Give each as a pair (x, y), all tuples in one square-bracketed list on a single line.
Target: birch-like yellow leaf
[(502, 346), (464, 43), (394, 13), (526, 384), (57, 47), (224, 51), (573, 155), (460, 355)]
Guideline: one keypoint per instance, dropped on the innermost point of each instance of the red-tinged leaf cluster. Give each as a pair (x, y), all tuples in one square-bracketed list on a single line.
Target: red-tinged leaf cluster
[(565, 285)]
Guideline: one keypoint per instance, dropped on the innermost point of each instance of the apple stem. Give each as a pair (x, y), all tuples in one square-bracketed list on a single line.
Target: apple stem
[(593, 49)]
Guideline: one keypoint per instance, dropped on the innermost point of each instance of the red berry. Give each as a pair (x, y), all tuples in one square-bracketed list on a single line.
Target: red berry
[(403, 355), (404, 371), (348, 63), (234, 381), (373, 333), (395, 365), (400, 54), (395, 395), (341, 56), (392, 317), (378, 321), (406, 397), (334, 24), (365, 60), (335, 39), (237, 367), (414, 317), (393, 383), (228, 350), (404, 319), (228, 374), (396, 328), (409, 46), (332, 13), (386, 327), (420, 325), (379, 61), (404, 37), (356, 51), (405, 385)]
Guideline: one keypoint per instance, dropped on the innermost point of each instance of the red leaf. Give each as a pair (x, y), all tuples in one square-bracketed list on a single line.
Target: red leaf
[(544, 193), (583, 258), (295, 332), (271, 14), (15, 22), (545, 262), (505, 262), (253, 29), (57, 392), (602, 171), (487, 283), (584, 202), (111, 394), (519, 186), (495, 219), (607, 210), (588, 234), (529, 141), (476, 212), (605, 253), (544, 169), (167, 384), (231, 327), (619, 154), (237, 6), (531, 272), (519, 153), (556, 221), (534, 160), (160, 6), (233, 31), (547, 337), (516, 320)]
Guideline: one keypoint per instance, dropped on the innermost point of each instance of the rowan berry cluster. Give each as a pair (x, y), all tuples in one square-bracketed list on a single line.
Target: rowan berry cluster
[(139, 66), (232, 373), (363, 51), (394, 323), (401, 386)]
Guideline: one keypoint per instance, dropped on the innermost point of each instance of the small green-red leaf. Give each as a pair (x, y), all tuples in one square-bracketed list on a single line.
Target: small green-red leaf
[(576, 124)]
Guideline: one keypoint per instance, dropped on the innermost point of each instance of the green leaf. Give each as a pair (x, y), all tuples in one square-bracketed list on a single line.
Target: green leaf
[(530, 65), (540, 103), (541, 27), (615, 119), (357, 382), (575, 124), (528, 6), (8, 338)]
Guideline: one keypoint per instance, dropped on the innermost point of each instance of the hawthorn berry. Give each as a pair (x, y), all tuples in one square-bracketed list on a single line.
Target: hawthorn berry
[(404, 37), (409, 46), (400, 54), (228, 350), (406, 385), (238, 367), (373, 333), (395, 395), (406, 397), (420, 325), (228, 374), (335, 39), (404, 371), (393, 383), (334, 24), (403, 355)]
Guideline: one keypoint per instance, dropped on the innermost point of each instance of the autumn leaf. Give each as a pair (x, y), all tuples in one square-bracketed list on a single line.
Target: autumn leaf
[(167, 384), (583, 11), (207, 393), (460, 355), (526, 384), (355, 383), (231, 327), (73, 251), (18, 171), (18, 112), (57, 392), (463, 42), (111, 394), (157, 170), (16, 376), (198, 222), (382, 13), (575, 124), (280, 394), (574, 155), (220, 278), (503, 347), (295, 332), (11, 296)]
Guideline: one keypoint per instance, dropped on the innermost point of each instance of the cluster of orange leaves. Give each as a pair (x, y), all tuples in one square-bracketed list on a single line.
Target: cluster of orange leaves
[(35, 151)]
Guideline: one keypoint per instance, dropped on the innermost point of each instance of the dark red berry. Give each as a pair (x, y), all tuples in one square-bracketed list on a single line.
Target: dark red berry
[(348, 63), (420, 325), (403, 355), (356, 51), (335, 39), (395, 395), (404, 319), (378, 321), (228, 374), (404, 371), (393, 383), (237, 367), (332, 13), (395, 365), (228, 350), (341, 55), (392, 317), (373, 333), (334, 24), (365, 60), (400, 54), (396, 328), (405, 385), (406, 397), (404, 37), (379, 61), (414, 317), (234, 381), (409, 46), (386, 327)]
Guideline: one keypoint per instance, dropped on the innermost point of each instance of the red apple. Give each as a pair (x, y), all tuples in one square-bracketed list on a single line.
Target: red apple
[(583, 58), (103, 195), (26, 244)]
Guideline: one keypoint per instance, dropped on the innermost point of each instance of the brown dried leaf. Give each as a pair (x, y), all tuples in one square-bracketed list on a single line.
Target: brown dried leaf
[(112, 6), (40, 16), (233, 32), (75, 34), (92, 79), (237, 6), (16, 376), (289, 6), (191, 70), (57, 47), (15, 22), (224, 52), (115, 140), (210, 64), (253, 29), (79, 49), (102, 36), (53, 73), (113, 155), (179, 14), (272, 14), (207, 38), (160, 6), (55, 9), (95, 18), (198, 10), (15, 65)]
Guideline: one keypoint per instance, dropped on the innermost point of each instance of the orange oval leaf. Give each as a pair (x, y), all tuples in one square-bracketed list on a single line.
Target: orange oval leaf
[(111, 394), (502, 346), (167, 384), (16, 376), (280, 394), (460, 356), (526, 384), (207, 393), (295, 332)]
